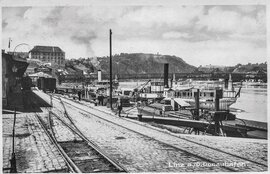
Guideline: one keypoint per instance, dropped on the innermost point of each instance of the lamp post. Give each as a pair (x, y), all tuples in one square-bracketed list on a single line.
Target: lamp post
[(13, 168), (20, 45)]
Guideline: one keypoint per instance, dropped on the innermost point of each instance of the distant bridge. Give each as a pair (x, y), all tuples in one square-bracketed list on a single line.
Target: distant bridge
[(236, 77)]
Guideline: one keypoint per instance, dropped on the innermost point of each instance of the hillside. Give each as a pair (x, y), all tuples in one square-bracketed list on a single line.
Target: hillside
[(140, 63), (250, 68), (133, 63), (239, 68)]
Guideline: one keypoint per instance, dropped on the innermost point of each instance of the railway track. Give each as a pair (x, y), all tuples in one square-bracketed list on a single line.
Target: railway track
[(258, 164), (80, 154)]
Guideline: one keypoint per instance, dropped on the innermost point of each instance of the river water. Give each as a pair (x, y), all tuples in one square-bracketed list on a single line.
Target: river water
[(252, 104)]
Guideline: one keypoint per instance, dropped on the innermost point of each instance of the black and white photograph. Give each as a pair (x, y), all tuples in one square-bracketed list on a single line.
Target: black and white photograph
[(137, 86)]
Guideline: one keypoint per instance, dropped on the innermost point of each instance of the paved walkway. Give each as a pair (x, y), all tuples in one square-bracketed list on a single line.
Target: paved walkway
[(133, 149), (136, 145), (34, 151), (250, 148)]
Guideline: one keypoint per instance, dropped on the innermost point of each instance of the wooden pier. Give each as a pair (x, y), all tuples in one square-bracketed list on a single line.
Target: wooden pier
[(233, 128)]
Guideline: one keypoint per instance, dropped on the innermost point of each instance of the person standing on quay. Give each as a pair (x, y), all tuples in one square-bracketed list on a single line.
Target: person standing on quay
[(120, 108), (79, 95)]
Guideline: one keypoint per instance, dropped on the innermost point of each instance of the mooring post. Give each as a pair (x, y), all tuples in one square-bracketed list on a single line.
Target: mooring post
[(13, 168), (217, 101), (139, 115), (197, 109), (217, 127), (197, 105), (217, 120)]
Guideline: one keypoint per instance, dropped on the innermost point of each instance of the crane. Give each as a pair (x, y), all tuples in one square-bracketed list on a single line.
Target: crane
[(141, 87)]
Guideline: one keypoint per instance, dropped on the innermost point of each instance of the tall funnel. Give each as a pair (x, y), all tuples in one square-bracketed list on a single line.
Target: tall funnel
[(99, 75), (166, 75), (226, 81)]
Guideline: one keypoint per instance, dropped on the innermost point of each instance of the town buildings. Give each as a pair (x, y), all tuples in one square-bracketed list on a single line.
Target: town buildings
[(71, 74), (48, 54)]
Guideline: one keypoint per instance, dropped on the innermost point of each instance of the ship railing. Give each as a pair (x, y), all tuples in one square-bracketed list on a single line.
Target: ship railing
[(210, 87), (211, 107), (229, 94), (185, 97)]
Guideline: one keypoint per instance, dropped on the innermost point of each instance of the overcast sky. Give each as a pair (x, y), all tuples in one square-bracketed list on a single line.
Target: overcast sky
[(201, 35)]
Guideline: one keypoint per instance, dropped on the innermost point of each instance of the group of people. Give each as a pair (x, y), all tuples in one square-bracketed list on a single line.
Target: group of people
[(100, 99)]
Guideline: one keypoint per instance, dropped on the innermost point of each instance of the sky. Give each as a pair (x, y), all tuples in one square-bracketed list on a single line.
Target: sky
[(199, 34)]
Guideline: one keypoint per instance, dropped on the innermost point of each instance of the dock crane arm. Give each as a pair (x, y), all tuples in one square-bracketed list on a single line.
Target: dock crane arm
[(138, 89), (141, 86)]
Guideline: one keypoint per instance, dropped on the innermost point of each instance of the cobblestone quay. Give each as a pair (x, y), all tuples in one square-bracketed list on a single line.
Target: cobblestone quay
[(142, 148), (34, 151), (137, 146)]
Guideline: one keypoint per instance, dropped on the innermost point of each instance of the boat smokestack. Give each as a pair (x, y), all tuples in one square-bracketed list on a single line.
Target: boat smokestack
[(99, 75), (226, 83), (230, 83), (173, 81), (166, 75)]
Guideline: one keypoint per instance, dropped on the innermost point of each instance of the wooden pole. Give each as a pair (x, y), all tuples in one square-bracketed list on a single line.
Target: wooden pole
[(111, 68), (217, 122), (217, 97)]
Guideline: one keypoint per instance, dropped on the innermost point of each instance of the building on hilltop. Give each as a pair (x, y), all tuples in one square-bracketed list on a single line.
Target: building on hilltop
[(50, 54)]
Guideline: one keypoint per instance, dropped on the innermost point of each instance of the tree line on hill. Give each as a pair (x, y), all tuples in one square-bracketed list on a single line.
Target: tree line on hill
[(140, 63)]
